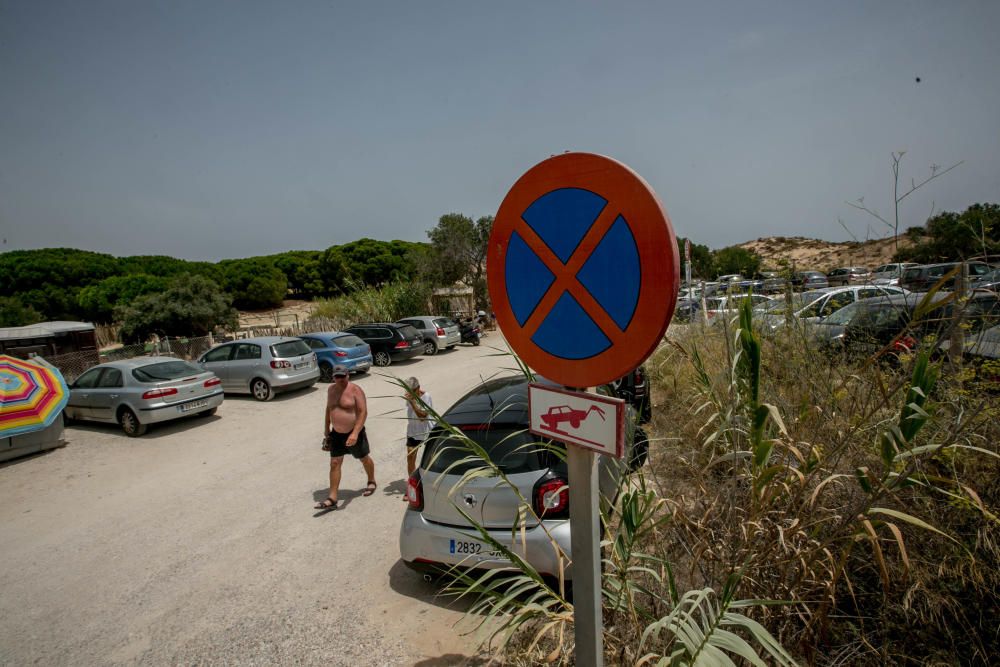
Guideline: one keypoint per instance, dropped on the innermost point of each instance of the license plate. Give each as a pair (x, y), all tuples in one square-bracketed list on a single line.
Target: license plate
[(304, 364), (194, 405), (474, 549)]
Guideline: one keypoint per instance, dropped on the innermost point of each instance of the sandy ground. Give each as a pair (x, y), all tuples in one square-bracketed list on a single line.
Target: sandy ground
[(197, 543)]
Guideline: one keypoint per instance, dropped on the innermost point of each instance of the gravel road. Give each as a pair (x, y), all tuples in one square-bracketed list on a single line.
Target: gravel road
[(198, 544)]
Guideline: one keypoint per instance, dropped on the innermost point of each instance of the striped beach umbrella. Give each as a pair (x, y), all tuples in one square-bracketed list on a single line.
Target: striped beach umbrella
[(32, 394)]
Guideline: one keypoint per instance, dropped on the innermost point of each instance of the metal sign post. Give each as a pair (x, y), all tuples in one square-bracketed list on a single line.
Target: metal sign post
[(583, 272), (585, 542)]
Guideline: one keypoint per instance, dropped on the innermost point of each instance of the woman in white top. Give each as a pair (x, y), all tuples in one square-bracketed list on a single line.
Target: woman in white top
[(418, 421)]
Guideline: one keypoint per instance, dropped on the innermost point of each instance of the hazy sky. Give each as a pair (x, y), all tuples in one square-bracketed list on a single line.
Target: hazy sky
[(207, 130)]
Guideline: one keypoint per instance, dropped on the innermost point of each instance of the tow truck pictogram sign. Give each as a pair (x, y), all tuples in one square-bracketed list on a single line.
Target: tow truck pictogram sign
[(586, 420)]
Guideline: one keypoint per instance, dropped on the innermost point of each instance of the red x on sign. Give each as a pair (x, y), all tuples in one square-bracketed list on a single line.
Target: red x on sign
[(582, 269)]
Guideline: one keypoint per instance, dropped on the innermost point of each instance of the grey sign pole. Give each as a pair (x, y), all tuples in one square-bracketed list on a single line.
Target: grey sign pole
[(585, 543)]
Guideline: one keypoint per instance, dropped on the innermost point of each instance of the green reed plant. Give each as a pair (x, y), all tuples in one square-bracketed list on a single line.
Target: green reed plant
[(826, 506)]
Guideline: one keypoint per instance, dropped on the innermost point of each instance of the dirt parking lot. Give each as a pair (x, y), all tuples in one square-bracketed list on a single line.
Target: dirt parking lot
[(197, 543)]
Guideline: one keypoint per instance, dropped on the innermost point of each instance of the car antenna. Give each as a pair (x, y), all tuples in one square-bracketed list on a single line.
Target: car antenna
[(489, 394)]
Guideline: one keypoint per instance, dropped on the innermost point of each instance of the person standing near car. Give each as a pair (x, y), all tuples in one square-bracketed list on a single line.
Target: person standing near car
[(418, 421), (344, 426)]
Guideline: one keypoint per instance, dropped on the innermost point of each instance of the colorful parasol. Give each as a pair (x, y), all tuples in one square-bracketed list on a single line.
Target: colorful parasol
[(32, 394)]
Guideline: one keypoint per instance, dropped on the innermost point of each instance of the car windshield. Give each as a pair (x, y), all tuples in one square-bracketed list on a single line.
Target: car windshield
[(512, 450), (290, 348), (779, 305), (845, 314), (349, 340), (165, 370), (992, 276), (407, 331)]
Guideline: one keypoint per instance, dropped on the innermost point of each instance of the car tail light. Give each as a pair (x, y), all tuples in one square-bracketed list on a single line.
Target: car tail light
[(904, 344), (415, 492), (340, 353), (440, 331), (159, 393), (403, 344), (281, 364), (212, 382), (551, 498)]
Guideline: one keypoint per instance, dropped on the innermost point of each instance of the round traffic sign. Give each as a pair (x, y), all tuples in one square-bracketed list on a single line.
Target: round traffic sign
[(582, 269)]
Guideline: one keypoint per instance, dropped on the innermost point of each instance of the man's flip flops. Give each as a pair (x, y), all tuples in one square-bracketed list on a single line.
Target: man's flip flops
[(328, 504), (370, 489)]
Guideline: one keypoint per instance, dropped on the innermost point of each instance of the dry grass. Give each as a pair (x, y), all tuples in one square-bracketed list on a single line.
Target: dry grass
[(888, 549)]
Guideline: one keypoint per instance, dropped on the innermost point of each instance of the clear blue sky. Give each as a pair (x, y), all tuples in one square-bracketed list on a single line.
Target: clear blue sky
[(206, 130)]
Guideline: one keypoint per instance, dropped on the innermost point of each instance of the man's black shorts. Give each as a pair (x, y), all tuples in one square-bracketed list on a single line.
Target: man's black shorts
[(338, 445)]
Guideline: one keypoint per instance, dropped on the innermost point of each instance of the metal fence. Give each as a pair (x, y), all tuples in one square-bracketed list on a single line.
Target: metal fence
[(73, 364)]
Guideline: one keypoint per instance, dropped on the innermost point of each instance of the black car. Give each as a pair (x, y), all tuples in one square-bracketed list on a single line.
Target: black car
[(389, 342), (922, 277), (634, 388), (868, 325)]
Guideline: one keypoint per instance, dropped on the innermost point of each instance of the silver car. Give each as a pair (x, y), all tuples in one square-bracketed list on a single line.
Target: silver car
[(435, 535), (814, 305), (262, 366), (439, 332), (135, 393)]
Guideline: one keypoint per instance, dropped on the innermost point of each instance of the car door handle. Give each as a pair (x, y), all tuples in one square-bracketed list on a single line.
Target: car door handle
[(113, 396)]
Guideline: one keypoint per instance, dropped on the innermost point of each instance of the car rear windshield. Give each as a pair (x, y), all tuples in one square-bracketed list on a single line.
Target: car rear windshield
[(443, 322), (512, 450), (348, 341), (290, 348), (165, 370), (407, 331)]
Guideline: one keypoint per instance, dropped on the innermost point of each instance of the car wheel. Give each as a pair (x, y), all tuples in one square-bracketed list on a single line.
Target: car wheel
[(261, 390), (640, 450), (130, 423), (430, 349), (325, 372), (208, 413), (382, 359)]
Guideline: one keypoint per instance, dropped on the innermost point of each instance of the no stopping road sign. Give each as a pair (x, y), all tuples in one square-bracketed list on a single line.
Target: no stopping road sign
[(583, 269)]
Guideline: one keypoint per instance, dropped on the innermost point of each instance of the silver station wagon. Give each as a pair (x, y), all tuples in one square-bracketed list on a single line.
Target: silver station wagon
[(262, 366), (135, 393)]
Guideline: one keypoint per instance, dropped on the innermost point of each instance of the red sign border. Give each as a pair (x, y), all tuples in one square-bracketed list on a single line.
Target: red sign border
[(659, 263)]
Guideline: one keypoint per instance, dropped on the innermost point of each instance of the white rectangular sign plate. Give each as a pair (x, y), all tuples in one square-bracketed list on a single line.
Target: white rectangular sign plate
[(586, 420)]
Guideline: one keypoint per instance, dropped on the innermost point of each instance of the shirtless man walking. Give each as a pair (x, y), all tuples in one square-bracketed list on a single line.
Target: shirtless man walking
[(346, 411)]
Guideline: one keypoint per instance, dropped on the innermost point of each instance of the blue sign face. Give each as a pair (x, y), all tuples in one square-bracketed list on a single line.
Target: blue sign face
[(609, 272)]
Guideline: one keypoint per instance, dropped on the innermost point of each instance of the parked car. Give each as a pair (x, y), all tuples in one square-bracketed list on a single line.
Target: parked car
[(135, 393), (686, 309), (869, 325), (816, 304), (807, 280), (634, 388), (889, 274), (439, 332), (389, 342), (922, 277), (772, 282), (262, 366), (718, 307), (990, 281), (848, 275), (435, 535), (338, 347)]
